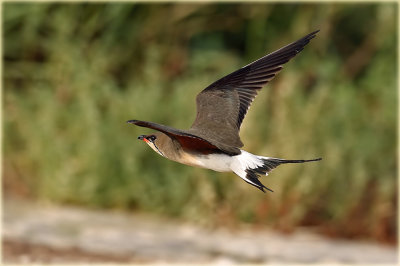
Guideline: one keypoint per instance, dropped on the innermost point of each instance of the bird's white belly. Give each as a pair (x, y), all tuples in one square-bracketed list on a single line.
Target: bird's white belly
[(216, 162)]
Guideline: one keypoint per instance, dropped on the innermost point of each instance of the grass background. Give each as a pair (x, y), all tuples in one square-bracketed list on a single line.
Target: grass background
[(74, 73)]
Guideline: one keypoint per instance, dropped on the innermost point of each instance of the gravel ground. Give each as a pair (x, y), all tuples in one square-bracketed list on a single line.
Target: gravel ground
[(37, 233)]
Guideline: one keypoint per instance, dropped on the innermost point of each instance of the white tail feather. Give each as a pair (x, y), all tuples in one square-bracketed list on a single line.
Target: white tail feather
[(245, 161)]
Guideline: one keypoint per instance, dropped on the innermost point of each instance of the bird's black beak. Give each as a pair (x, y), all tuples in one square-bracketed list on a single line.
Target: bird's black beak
[(141, 137)]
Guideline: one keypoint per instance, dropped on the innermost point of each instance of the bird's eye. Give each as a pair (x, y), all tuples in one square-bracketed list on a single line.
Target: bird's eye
[(152, 138)]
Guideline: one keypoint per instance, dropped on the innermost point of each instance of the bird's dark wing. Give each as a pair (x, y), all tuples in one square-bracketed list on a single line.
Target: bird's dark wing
[(186, 140), (222, 106)]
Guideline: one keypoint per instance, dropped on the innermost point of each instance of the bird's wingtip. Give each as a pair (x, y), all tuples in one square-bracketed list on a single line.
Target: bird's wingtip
[(131, 121), (312, 34)]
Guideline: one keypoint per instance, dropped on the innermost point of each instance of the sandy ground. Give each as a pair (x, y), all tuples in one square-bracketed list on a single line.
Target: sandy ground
[(38, 233), (24, 253)]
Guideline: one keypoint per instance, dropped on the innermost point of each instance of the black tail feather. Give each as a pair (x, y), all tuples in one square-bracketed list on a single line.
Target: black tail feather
[(296, 161), (269, 164), (253, 177)]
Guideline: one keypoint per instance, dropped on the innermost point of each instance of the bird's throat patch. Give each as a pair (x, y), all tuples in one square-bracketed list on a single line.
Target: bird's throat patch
[(153, 146)]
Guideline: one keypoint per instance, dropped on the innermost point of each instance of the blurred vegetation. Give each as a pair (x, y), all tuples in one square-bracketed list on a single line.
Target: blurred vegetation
[(74, 73)]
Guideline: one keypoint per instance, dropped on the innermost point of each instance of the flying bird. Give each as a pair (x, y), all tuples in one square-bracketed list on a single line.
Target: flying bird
[(213, 140)]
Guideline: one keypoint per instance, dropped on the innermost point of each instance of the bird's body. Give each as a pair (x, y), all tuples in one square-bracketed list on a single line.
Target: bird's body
[(213, 140), (219, 162)]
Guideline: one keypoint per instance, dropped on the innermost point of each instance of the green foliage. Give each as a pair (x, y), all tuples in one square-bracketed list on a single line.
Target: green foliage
[(74, 73)]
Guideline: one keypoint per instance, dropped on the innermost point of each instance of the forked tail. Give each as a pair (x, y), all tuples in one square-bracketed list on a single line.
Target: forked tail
[(249, 167)]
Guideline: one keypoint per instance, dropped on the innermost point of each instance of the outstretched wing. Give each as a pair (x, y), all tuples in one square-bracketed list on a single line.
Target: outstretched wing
[(222, 106)]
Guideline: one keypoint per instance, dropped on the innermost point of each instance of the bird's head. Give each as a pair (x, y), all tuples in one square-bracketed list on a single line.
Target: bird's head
[(153, 141)]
